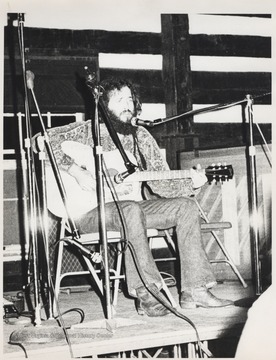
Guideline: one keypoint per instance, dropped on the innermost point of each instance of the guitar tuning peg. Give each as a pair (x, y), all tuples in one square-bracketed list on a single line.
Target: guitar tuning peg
[(219, 164), (213, 165)]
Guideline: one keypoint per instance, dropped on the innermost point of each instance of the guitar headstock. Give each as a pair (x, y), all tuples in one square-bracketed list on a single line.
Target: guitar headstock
[(219, 172)]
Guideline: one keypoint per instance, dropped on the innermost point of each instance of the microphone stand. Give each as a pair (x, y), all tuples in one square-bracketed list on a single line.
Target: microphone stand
[(45, 228), (100, 192), (155, 122), (29, 187), (110, 323), (217, 107), (254, 226), (19, 336), (70, 220), (254, 223)]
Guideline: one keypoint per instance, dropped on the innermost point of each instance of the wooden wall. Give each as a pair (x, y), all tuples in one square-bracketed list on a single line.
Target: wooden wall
[(161, 64)]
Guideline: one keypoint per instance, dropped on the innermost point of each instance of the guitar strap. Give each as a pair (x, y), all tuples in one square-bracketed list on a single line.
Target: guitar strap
[(147, 192), (142, 163)]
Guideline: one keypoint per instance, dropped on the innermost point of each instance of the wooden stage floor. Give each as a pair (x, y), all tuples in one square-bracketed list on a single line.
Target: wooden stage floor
[(130, 333)]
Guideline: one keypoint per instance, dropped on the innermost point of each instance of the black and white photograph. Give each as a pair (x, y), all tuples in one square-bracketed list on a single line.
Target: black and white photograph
[(137, 183)]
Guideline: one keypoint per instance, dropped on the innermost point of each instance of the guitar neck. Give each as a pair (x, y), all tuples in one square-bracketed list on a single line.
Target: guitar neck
[(158, 175)]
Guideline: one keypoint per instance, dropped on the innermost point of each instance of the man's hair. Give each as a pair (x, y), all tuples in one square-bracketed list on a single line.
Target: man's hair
[(109, 85)]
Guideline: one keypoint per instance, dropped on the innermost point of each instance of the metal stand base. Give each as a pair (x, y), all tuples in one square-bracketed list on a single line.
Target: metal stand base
[(109, 324)]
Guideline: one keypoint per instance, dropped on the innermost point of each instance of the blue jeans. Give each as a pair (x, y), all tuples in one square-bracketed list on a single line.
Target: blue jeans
[(181, 213)]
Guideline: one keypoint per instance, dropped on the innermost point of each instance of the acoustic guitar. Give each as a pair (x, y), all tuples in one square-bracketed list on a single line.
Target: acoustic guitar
[(81, 201)]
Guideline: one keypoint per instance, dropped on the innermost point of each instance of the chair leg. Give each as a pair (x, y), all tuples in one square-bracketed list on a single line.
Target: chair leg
[(223, 249), (57, 276), (118, 275), (169, 240), (228, 259), (94, 274)]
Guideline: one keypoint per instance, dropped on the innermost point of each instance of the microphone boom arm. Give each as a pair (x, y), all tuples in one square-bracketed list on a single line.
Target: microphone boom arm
[(152, 123)]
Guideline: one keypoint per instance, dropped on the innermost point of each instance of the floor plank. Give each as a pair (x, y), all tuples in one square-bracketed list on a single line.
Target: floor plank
[(129, 331)]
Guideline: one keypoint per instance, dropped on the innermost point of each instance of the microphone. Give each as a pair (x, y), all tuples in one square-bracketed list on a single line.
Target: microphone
[(140, 122), (120, 177), (90, 77), (30, 79), (21, 17), (92, 255)]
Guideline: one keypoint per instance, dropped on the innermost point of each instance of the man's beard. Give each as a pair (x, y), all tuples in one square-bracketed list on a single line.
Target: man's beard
[(124, 128)]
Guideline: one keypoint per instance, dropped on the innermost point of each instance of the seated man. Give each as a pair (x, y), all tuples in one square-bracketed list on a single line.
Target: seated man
[(172, 208)]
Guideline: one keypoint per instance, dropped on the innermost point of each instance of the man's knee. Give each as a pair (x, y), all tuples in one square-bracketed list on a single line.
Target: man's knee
[(188, 204), (132, 208)]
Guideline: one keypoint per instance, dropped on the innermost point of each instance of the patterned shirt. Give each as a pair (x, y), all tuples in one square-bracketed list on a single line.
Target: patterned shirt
[(141, 144)]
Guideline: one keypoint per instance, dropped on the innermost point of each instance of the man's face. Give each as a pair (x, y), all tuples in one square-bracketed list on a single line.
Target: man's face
[(121, 104)]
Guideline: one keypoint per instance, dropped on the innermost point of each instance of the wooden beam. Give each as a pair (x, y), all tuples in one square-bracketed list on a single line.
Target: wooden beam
[(176, 66), (176, 76), (89, 42), (220, 87), (230, 45), (86, 42)]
